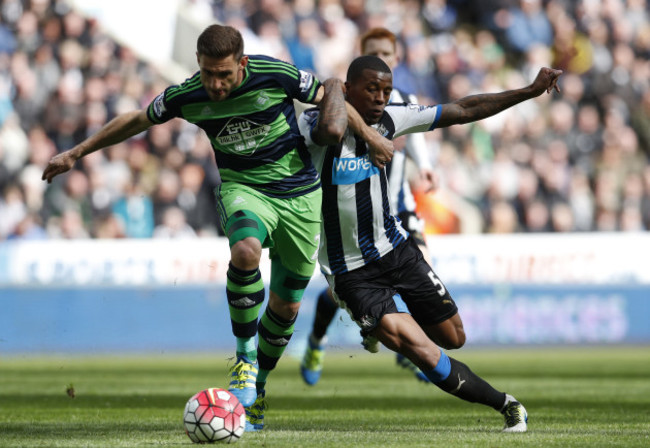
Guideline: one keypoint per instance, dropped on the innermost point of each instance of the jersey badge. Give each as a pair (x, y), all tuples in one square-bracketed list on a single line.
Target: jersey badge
[(241, 136), (368, 322), (419, 107), (159, 105), (261, 101), (238, 200), (382, 130), (306, 81)]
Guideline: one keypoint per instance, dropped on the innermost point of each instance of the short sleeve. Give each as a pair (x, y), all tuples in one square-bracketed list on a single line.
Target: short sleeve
[(410, 118), (299, 84), (308, 87), (161, 110)]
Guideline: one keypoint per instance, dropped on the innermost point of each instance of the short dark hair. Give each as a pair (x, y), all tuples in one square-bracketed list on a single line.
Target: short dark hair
[(219, 41), (366, 62)]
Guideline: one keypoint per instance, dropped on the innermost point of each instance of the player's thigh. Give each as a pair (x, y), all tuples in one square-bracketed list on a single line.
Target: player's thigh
[(366, 298), (244, 212), (426, 296), (297, 233), (431, 304), (295, 244)]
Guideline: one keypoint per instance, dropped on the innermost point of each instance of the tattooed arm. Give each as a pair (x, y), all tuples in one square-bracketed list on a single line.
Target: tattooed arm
[(380, 149), (333, 117), (476, 107)]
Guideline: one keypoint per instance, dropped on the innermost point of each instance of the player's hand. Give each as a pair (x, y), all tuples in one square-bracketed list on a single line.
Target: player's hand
[(428, 179), (58, 164), (380, 150), (425, 181), (546, 80)]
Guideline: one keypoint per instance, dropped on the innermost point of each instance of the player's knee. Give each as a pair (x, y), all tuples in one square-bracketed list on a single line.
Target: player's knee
[(457, 343), (287, 311), (283, 308), (245, 254), (455, 340)]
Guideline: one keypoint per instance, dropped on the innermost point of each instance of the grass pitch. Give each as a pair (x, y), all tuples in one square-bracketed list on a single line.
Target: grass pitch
[(575, 397)]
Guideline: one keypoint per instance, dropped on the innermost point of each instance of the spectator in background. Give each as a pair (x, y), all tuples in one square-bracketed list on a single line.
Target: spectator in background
[(68, 226), (173, 225), (195, 200), (528, 25), (108, 226), (134, 212), (417, 71), (561, 217), (12, 210), (572, 50), (166, 193), (640, 121), (502, 218), (274, 11), (536, 216), (439, 15), (29, 228), (581, 199), (335, 50), (7, 40), (302, 46)]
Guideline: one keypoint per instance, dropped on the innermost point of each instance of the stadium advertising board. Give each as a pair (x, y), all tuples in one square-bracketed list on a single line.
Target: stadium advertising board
[(143, 295), (115, 262), (570, 258), (480, 259), (186, 318)]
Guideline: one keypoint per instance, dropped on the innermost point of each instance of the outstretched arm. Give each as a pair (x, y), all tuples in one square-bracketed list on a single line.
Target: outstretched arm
[(117, 130), (476, 107)]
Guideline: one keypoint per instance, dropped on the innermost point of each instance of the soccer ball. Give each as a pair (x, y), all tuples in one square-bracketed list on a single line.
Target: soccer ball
[(214, 415)]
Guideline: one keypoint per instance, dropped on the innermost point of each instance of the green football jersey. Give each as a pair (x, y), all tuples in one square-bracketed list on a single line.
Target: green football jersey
[(254, 132)]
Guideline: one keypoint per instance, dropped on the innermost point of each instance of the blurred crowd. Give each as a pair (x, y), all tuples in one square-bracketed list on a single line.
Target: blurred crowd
[(568, 162)]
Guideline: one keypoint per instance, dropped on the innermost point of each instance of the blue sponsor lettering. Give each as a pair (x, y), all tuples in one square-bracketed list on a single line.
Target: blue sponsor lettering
[(350, 171)]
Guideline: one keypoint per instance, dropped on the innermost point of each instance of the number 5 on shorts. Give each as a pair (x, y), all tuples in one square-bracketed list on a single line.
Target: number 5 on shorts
[(440, 288)]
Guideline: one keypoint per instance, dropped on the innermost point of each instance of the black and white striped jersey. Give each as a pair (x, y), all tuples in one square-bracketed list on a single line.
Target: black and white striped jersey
[(357, 223), (401, 198)]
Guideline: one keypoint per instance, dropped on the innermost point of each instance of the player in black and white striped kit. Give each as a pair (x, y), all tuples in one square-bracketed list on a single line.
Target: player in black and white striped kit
[(382, 43), (375, 270)]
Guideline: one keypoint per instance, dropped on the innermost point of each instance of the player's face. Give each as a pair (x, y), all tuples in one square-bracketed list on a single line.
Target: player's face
[(220, 76), (383, 49), (370, 93)]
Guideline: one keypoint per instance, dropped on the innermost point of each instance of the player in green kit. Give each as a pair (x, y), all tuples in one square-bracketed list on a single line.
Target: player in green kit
[(270, 193)]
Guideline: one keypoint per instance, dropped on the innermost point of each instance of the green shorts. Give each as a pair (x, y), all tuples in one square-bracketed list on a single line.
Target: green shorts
[(291, 232)]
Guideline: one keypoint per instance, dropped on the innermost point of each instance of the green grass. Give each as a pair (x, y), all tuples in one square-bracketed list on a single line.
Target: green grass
[(575, 397)]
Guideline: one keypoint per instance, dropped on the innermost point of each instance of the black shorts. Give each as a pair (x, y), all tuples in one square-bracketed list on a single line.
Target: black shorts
[(401, 281), (413, 225)]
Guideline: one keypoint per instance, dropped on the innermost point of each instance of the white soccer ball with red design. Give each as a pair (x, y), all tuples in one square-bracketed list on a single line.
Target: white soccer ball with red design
[(214, 415)]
